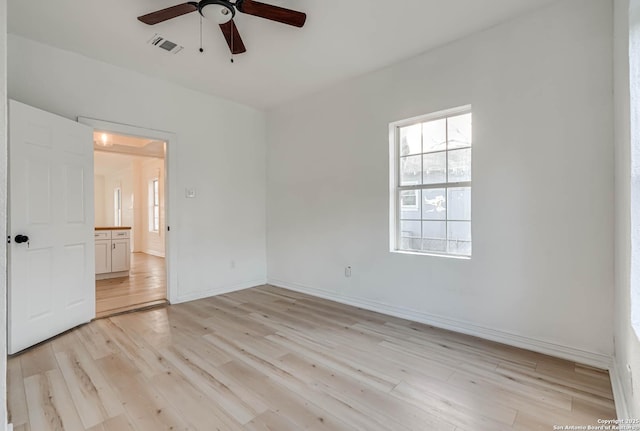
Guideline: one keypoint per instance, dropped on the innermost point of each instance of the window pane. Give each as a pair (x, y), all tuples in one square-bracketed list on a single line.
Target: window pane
[(410, 140), (459, 203), (410, 235), (410, 204), (410, 170), (156, 196), (434, 166), (434, 204), (434, 135), (459, 237), (459, 165), (117, 205), (156, 218), (459, 129), (434, 236)]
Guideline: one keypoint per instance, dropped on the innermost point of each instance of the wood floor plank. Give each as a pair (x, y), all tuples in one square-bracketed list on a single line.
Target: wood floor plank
[(16, 398), (193, 405), (482, 416), (95, 341), (50, 405), (118, 423), (291, 404), (145, 407), (210, 386), (94, 397), (270, 359), (271, 421), (129, 343), (37, 360), (373, 378), (226, 385)]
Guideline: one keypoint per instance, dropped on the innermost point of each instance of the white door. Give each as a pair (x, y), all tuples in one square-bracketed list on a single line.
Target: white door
[(51, 275)]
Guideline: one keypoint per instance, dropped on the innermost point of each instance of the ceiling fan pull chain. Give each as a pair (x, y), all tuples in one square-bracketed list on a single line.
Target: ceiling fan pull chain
[(201, 49), (232, 31)]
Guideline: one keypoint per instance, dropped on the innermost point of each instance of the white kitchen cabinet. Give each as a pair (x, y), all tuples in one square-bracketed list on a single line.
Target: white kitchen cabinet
[(113, 253), (120, 255), (103, 256)]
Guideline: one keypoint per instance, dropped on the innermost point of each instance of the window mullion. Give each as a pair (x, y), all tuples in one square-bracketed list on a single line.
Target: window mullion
[(398, 241), (435, 186), (446, 189), (421, 182)]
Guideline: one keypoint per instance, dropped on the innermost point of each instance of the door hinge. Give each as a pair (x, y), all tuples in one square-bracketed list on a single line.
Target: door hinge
[(8, 239), (168, 228)]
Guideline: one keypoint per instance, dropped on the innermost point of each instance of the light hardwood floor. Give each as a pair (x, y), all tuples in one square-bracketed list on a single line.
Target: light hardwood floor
[(270, 359), (145, 286)]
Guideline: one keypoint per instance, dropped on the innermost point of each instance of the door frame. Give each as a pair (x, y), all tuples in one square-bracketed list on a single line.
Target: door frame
[(170, 195)]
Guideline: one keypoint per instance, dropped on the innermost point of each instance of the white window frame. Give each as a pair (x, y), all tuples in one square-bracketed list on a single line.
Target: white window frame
[(117, 206), (154, 202), (394, 180)]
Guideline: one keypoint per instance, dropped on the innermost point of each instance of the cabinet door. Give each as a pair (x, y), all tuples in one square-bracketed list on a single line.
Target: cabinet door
[(103, 256), (119, 255)]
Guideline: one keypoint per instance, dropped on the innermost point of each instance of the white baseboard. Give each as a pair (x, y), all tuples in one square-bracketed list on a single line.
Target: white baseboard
[(619, 395), (153, 253), (593, 359), (218, 291)]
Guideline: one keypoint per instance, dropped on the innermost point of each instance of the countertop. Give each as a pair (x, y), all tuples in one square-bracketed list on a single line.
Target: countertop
[(112, 227)]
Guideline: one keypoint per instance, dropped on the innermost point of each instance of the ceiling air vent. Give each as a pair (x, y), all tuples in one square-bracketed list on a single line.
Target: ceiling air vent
[(163, 43)]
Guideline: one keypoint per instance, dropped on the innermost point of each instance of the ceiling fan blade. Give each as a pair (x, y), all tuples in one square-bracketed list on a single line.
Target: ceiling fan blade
[(230, 32), (274, 13), (168, 13)]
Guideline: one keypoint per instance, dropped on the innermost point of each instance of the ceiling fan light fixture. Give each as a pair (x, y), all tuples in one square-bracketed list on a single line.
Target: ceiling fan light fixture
[(218, 11)]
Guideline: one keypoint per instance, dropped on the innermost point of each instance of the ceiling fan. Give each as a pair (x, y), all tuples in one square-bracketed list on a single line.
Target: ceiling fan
[(223, 11)]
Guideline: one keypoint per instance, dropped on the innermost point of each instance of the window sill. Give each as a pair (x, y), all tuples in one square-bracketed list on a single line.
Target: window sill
[(420, 253)]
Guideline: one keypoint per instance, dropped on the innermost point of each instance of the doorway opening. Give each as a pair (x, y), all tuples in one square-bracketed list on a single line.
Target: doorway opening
[(130, 222)]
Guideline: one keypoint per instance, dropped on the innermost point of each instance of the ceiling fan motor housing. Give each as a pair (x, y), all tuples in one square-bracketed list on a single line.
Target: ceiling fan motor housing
[(220, 11)]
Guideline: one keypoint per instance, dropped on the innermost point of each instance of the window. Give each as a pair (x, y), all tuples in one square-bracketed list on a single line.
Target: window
[(154, 207), (431, 183), (117, 206)]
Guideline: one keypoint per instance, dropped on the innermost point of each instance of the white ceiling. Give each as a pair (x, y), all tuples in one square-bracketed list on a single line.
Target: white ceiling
[(340, 39), (132, 145), (122, 152)]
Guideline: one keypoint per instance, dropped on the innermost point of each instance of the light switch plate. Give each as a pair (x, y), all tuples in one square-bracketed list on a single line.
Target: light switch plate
[(190, 193)]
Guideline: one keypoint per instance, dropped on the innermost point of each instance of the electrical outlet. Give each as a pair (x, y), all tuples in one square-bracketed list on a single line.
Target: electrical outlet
[(347, 271)]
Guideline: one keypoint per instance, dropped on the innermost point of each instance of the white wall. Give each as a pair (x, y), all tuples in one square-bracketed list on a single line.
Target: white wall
[(220, 151), (542, 268), (150, 242), (3, 212), (627, 346), (100, 214)]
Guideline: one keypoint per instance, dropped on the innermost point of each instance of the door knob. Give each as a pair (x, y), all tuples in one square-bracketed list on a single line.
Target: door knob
[(21, 238)]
